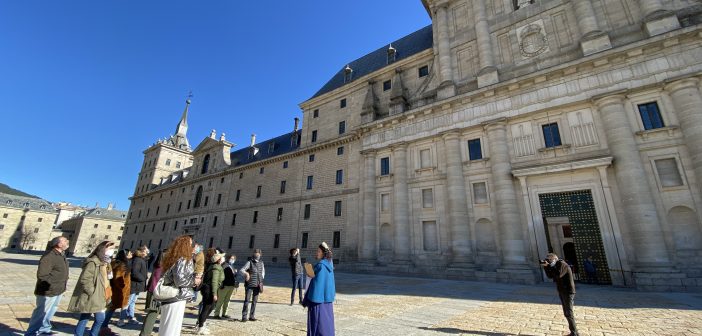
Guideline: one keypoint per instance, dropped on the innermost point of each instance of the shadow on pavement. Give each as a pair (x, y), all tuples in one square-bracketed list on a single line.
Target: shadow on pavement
[(461, 331)]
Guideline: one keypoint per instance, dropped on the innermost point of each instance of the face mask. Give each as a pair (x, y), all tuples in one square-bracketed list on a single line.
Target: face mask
[(232, 261), (553, 263), (257, 258), (198, 250), (109, 253)]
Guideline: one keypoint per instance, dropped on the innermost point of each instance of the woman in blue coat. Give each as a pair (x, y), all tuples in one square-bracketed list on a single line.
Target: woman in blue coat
[(319, 297)]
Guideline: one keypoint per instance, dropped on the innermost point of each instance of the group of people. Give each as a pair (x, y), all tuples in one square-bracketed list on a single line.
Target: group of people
[(108, 283)]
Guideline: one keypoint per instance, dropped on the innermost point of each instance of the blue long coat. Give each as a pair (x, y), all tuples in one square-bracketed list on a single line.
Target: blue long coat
[(322, 288)]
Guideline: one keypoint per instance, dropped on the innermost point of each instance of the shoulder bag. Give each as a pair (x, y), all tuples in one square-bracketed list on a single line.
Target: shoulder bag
[(163, 291)]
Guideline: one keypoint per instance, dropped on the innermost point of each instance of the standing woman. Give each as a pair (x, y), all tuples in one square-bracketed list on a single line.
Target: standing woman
[(139, 275), (93, 290), (229, 286), (319, 297), (153, 307), (120, 284), (214, 276), (179, 272)]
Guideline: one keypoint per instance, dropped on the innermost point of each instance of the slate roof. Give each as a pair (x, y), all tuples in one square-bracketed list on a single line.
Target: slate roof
[(407, 46), (22, 202), (105, 213), (280, 145)]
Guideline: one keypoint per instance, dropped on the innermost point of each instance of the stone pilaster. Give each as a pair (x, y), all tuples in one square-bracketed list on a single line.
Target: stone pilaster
[(447, 88), (592, 38), (505, 198), (369, 243), (688, 106), (400, 207), (488, 72), (656, 19), (457, 202), (636, 195)]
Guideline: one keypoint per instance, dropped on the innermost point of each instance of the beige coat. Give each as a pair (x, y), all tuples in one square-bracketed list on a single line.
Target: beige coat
[(89, 294)]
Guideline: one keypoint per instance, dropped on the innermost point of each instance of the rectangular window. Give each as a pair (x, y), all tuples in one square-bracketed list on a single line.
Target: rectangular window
[(95, 226), (342, 127), (314, 136), (271, 148), (552, 138), (336, 241), (308, 210), (158, 208), (255, 217), (315, 113), (282, 187), (480, 195), (384, 202), (427, 198), (276, 241), (311, 158), (238, 195), (305, 237), (340, 150), (231, 241), (280, 214), (41, 219), (180, 206), (337, 208), (475, 152), (668, 172), (188, 207), (211, 242), (309, 182), (135, 228), (214, 222), (4, 215), (207, 199), (430, 236), (241, 175), (424, 158), (285, 164), (423, 71), (650, 116), (163, 228), (252, 240), (261, 170), (219, 199), (168, 208), (387, 85), (342, 103), (258, 192), (175, 226), (339, 177), (220, 181), (384, 166), (2, 227)]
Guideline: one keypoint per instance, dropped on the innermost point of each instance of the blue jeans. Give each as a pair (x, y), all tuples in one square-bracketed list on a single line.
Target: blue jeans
[(40, 322), (130, 307), (83, 322), (297, 283)]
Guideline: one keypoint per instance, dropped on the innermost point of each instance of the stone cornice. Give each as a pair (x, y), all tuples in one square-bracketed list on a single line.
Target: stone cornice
[(561, 167)]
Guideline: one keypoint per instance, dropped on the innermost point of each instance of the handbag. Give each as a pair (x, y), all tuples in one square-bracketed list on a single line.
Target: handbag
[(260, 287), (164, 292)]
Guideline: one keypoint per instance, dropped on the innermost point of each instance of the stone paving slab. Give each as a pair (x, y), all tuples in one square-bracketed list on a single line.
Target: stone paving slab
[(387, 306)]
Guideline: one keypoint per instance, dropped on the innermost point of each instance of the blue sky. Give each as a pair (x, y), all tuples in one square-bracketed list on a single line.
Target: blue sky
[(86, 86)]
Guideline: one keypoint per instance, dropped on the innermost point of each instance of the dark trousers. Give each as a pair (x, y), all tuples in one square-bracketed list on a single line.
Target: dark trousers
[(153, 310), (208, 304), (249, 291), (297, 283), (567, 303)]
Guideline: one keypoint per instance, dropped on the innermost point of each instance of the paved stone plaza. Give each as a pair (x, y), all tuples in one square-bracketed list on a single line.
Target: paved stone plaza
[(383, 305)]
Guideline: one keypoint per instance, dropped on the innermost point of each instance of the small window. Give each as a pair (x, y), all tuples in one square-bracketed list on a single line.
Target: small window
[(4, 215), (41, 219), (424, 158), (153, 227), (163, 227), (387, 85), (276, 241), (307, 212), (475, 152), (339, 176), (271, 147), (311, 158), (258, 192), (336, 241), (168, 162), (342, 127), (95, 226), (214, 222), (282, 187), (314, 136), (241, 175), (423, 71), (252, 240), (168, 208), (260, 170), (340, 150), (385, 166), (231, 241), (219, 199), (315, 113), (238, 195), (552, 138), (36, 230), (285, 164), (177, 164), (255, 217), (384, 202), (651, 116), (427, 198), (337, 208), (2, 226), (106, 236), (342, 103), (92, 235), (668, 172), (305, 237), (233, 219), (309, 182), (279, 217), (480, 195), (205, 164), (220, 181)]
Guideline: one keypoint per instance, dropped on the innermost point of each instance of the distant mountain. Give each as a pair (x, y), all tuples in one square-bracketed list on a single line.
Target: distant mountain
[(5, 189)]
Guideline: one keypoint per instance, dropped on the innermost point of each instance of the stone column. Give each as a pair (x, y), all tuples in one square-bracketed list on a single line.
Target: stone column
[(401, 203), (639, 207), (505, 197), (488, 72), (457, 202), (592, 38), (447, 87), (656, 18), (369, 243), (688, 106)]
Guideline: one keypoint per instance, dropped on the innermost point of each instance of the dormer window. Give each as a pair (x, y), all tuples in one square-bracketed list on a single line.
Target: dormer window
[(8, 202), (392, 54), (348, 74), (271, 147), (518, 4), (26, 204), (205, 164), (168, 162)]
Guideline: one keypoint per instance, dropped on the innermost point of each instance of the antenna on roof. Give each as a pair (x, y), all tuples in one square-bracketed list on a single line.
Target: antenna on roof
[(190, 95)]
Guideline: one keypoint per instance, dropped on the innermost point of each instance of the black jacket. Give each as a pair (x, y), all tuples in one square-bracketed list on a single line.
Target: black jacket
[(52, 274), (295, 265), (562, 275), (230, 277), (139, 275)]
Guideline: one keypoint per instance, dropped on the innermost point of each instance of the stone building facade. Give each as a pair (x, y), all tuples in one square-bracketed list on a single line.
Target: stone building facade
[(88, 228), (471, 148), (26, 223)]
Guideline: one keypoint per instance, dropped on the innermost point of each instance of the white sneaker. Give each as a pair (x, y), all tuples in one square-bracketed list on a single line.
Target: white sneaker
[(202, 331), (134, 321)]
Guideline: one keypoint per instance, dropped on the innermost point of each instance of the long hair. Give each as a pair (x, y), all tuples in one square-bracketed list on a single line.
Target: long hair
[(99, 250), (209, 254), (181, 247), (159, 257)]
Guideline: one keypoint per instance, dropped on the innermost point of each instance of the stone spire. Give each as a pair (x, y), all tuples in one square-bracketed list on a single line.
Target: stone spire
[(369, 110), (398, 101), (179, 139)]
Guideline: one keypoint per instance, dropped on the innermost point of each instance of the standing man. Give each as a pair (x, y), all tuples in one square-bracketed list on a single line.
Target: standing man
[(560, 272), (253, 272), (296, 272), (52, 276), (139, 275)]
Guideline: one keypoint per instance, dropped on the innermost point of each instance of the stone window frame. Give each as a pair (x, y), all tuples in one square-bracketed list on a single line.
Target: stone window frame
[(380, 202), (315, 113), (423, 71), (387, 85), (667, 115), (433, 198), (562, 132), (487, 193), (681, 171), (432, 157)]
